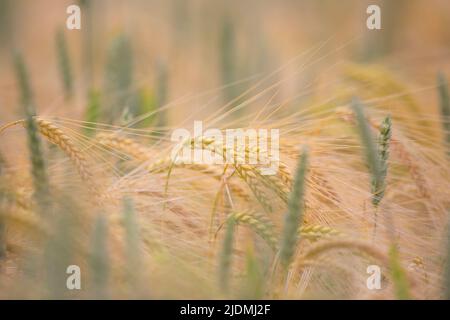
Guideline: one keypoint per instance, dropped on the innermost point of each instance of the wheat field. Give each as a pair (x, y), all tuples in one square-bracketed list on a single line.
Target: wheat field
[(87, 177)]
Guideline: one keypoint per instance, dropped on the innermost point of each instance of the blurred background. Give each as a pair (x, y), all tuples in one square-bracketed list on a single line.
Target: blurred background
[(201, 54), (161, 64)]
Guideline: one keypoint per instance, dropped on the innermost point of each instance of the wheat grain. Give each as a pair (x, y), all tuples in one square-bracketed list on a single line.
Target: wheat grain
[(316, 232), (59, 138), (378, 186), (260, 224)]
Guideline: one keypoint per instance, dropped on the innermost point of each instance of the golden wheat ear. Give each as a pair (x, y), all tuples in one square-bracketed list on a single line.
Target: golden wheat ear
[(56, 136)]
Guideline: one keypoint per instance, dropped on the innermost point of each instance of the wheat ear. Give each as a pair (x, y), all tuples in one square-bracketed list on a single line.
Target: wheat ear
[(444, 100), (56, 136), (399, 150), (316, 232), (125, 145), (379, 185), (260, 224), (59, 138), (64, 63), (294, 216), (367, 140)]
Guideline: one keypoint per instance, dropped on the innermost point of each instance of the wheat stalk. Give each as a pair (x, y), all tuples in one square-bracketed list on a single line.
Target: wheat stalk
[(99, 260), (118, 78), (133, 244), (399, 277), (92, 112), (226, 255), (446, 292)]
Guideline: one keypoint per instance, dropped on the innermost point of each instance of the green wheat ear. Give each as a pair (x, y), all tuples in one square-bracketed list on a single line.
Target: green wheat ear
[(384, 139), (161, 92), (147, 103), (445, 107), (226, 255), (99, 259), (2, 230), (65, 68), (294, 216), (38, 169), (2, 220), (228, 59), (447, 264), (367, 141), (118, 78), (401, 285), (92, 111)]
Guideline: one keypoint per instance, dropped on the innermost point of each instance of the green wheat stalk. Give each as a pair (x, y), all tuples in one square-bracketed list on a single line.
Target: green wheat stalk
[(59, 253), (38, 170), (2, 220), (146, 101), (399, 279), (368, 142), (118, 78), (294, 216), (64, 63), (228, 59), (2, 229), (92, 111), (132, 241), (226, 255), (99, 259), (87, 41), (254, 277), (447, 266), (445, 108), (161, 92)]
